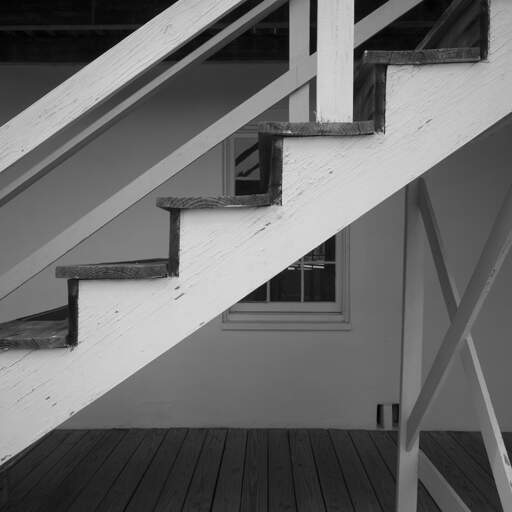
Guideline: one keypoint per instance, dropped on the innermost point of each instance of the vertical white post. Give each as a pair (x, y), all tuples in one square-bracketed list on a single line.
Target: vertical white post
[(335, 50), (299, 48), (412, 346)]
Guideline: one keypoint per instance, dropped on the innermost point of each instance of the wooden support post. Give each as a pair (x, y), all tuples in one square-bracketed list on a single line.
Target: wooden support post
[(335, 50), (299, 49), (498, 457), (479, 286), (412, 348)]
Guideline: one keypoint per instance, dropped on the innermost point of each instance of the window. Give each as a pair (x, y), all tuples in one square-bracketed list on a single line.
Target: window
[(310, 294)]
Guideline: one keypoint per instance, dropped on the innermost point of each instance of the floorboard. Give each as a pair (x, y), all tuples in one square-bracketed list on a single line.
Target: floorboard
[(40, 470), (126, 484), (379, 475), (105, 477), (307, 487), (153, 481), (360, 489), (228, 493), (332, 483), (175, 488), (39, 495), (255, 484), (202, 485), (237, 470), (281, 492)]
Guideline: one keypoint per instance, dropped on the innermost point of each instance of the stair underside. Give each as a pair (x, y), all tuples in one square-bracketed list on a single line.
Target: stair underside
[(143, 269), (327, 184)]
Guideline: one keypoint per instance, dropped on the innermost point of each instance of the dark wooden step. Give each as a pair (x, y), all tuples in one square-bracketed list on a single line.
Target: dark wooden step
[(144, 269), (185, 203), (34, 334), (421, 57), (286, 129)]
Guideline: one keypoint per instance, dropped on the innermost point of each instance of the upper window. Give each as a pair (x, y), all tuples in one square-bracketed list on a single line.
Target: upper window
[(312, 293)]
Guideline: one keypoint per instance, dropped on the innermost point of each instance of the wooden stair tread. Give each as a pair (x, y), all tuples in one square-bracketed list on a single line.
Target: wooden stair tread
[(313, 129), (34, 334), (143, 269), (182, 203), (419, 57)]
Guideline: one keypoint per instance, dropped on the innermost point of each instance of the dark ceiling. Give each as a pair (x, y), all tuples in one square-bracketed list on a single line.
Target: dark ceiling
[(80, 30)]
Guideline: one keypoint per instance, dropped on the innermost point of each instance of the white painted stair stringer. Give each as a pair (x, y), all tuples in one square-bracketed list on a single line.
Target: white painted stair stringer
[(327, 184)]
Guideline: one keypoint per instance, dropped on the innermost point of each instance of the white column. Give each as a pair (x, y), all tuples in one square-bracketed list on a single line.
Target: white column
[(335, 50), (299, 49), (412, 347)]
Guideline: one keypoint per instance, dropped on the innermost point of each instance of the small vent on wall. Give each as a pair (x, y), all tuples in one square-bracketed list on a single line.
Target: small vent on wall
[(388, 416)]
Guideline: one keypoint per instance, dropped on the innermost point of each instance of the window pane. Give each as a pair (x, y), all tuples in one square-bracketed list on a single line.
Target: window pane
[(258, 295), (247, 171), (324, 252), (285, 287), (319, 282)]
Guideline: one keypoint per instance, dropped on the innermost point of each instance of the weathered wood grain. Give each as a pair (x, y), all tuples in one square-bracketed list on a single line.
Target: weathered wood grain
[(173, 265), (420, 57), (144, 269), (106, 75), (225, 256), (306, 129), (194, 203), (34, 334)]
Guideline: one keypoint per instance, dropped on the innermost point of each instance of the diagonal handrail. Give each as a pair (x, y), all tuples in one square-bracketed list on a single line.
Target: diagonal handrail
[(88, 134), (110, 72), (188, 153)]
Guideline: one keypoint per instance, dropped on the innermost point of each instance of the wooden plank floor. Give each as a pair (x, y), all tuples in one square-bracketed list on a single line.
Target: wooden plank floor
[(224, 470)]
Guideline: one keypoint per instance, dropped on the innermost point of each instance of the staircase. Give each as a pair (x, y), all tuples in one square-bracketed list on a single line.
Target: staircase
[(413, 109)]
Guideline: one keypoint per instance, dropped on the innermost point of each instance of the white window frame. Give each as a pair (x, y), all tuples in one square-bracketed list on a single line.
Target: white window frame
[(277, 316)]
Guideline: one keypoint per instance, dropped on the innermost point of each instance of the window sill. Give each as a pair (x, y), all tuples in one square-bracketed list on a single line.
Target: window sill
[(245, 321)]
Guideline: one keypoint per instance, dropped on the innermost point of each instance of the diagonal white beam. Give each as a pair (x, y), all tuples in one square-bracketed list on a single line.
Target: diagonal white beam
[(480, 284), (444, 494), (491, 433)]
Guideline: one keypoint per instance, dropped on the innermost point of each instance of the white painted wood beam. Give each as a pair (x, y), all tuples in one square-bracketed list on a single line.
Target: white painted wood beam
[(491, 433), (302, 73), (412, 348), (335, 50), (443, 493), (88, 134), (479, 286), (102, 78), (298, 102)]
